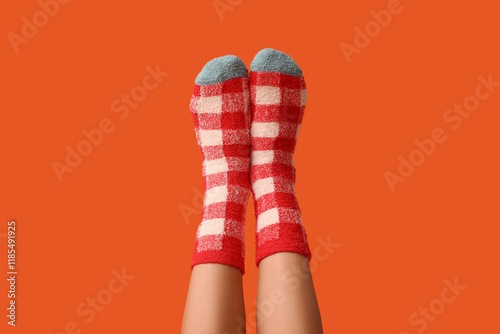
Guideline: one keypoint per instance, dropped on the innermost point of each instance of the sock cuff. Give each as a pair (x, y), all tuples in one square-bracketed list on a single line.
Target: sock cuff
[(225, 249), (281, 246), (217, 257)]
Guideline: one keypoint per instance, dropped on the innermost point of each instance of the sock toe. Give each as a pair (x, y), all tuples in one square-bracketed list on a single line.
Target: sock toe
[(270, 60), (221, 69)]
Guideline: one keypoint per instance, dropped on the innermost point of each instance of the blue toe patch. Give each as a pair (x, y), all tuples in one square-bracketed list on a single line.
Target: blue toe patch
[(221, 69), (270, 60)]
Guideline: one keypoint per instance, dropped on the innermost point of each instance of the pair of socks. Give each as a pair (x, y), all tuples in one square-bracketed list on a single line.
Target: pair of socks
[(246, 126)]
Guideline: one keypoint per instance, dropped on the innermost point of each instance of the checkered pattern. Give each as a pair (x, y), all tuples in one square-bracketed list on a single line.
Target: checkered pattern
[(278, 103), (221, 117)]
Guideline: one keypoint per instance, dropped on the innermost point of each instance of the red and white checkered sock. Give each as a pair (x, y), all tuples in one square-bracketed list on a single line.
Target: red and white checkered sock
[(278, 98), (220, 109)]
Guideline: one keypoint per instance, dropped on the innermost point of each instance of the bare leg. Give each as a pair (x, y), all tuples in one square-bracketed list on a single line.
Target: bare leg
[(214, 302), (286, 300)]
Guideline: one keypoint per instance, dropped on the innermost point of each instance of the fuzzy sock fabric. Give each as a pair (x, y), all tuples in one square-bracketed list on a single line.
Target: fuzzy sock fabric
[(278, 98), (220, 109)]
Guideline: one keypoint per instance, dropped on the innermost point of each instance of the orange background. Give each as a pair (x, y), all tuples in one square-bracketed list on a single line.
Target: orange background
[(120, 207)]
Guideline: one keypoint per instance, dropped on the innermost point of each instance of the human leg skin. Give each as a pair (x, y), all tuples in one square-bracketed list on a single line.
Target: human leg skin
[(214, 303), (286, 299)]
